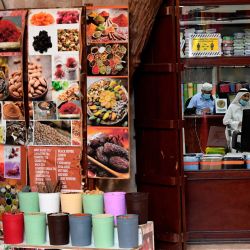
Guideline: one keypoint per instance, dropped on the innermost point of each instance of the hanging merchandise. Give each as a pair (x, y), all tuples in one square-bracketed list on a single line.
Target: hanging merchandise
[(55, 129), (12, 121), (107, 92)]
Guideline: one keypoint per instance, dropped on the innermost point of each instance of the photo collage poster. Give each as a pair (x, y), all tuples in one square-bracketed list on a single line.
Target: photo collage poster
[(12, 115), (107, 36), (55, 111)]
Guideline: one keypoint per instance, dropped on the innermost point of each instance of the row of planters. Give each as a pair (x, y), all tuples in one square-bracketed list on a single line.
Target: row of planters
[(63, 212)]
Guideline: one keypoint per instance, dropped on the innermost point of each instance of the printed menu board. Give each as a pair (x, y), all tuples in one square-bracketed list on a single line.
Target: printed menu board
[(53, 163), (107, 92), (12, 121), (54, 47)]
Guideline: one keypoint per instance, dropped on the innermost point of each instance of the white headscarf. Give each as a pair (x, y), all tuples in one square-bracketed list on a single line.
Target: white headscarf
[(240, 93)]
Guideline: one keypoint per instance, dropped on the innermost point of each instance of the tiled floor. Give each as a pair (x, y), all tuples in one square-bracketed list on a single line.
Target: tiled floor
[(219, 247)]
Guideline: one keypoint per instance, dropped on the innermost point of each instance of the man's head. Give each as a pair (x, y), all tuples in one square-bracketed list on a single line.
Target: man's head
[(206, 90)]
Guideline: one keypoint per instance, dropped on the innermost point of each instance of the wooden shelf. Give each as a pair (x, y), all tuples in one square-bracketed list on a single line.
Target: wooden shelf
[(218, 174), (201, 116), (216, 61)]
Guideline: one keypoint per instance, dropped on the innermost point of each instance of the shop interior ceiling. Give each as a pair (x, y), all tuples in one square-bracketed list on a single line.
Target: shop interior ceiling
[(142, 16)]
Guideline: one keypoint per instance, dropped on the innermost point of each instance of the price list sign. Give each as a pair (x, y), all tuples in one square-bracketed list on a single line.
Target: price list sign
[(55, 163)]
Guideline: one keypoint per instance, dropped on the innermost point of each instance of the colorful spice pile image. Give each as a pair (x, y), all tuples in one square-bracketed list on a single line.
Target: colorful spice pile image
[(69, 110), (110, 151), (52, 133), (107, 25), (42, 19), (107, 59), (42, 42), (121, 20), (68, 40), (107, 102), (67, 17)]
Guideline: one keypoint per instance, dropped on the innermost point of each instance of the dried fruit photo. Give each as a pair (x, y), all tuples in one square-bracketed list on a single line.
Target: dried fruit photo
[(68, 40), (107, 25), (107, 101), (52, 133), (108, 154), (42, 18), (67, 16)]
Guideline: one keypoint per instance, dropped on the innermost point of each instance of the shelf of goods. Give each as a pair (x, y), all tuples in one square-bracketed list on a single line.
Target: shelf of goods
[(216, 61)]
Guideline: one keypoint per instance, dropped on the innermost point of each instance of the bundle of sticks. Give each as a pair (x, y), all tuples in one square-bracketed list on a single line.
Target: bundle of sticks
[(50, 187)]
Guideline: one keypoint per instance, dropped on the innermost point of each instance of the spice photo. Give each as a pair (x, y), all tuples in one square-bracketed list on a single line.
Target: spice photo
[(69, 110), (52, 133), (107, 59), (44, 110), (10, 33), (13, 110), (66, 68), (107, 25)]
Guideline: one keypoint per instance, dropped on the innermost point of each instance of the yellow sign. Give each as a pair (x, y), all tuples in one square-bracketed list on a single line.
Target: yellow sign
[(205, 44)]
